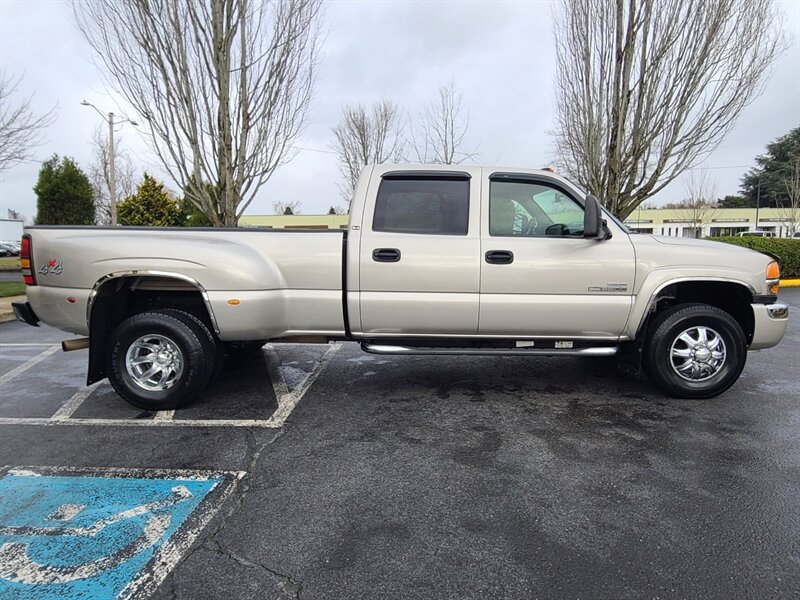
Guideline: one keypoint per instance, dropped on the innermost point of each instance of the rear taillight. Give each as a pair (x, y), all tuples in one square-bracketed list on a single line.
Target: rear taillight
[(26, 260)]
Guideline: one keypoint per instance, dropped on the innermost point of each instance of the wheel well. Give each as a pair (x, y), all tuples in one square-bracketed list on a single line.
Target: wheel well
[(733, 298), (119, 298)]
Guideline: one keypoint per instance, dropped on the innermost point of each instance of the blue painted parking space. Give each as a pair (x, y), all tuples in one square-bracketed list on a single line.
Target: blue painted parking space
[(98, 534)]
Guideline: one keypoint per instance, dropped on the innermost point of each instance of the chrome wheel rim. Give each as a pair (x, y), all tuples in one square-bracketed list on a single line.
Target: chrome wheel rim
[(154, 362), (697, 354)]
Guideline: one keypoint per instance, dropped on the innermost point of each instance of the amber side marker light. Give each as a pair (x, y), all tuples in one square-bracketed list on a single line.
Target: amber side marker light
[(773, 277), (233, 302)]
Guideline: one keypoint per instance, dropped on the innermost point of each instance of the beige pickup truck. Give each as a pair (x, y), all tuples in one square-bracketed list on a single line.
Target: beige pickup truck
[(434, 260)]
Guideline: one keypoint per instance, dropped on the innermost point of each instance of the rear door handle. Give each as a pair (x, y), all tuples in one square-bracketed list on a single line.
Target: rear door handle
[(386, 255), (500, 257)]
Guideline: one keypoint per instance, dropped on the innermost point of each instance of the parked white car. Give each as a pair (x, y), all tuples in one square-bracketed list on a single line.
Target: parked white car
[(756, 234)]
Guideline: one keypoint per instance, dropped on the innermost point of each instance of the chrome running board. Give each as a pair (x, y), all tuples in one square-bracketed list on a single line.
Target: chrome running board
[(397, 349)]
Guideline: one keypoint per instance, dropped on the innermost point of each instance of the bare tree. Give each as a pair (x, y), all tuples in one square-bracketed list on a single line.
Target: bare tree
[(99, 174), (442, 129), (20, 127), (223, 86), (286, 208), (789, 209), (699, 206), (365, 137), (646, 88)]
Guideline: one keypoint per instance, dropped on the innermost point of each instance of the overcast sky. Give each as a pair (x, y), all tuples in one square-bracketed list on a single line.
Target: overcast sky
[(500, 55)]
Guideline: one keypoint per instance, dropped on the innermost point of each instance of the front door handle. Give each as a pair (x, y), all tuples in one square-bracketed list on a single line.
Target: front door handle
[(386, 255), (499, 257)]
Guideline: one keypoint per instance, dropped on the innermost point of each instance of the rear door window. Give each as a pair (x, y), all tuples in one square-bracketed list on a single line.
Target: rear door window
[(431, 205)]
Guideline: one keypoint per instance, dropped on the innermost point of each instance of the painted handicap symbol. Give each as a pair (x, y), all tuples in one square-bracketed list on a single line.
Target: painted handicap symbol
[(88, 536), (17, 565)]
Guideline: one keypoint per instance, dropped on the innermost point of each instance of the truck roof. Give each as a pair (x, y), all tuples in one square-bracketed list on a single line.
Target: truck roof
[(470, 170)]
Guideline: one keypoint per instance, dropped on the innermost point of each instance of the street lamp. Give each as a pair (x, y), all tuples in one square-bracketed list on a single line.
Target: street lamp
[(758, 200), (112, 173)]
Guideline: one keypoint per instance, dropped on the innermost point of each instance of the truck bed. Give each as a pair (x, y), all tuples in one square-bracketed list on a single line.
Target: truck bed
[(286, 282)]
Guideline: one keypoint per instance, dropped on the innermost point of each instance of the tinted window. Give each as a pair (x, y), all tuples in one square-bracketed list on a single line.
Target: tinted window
[(529, 209), (428, 205)]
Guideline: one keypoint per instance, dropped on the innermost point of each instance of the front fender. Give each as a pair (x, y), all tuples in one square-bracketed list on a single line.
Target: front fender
[(659, 279)]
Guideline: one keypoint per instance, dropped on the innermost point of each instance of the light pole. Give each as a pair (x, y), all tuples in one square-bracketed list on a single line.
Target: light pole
[(112, 171), (758, 200)]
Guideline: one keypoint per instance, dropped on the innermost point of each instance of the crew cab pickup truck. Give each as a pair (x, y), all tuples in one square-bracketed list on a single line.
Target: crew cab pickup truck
[(434, 260)]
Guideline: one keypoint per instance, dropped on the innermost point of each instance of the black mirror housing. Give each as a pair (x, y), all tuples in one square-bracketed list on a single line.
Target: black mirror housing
[(593, 219)]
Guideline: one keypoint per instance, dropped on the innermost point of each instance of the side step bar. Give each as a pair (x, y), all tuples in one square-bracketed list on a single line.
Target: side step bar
[(397, 349)]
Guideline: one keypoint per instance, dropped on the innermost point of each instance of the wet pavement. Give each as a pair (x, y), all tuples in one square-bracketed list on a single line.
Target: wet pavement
[(462, 477)]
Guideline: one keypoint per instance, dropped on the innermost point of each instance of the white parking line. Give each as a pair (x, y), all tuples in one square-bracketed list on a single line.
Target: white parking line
[(13, 344), (140, 422), (27, 365), (278, 382), (287, 401), (71, 405)]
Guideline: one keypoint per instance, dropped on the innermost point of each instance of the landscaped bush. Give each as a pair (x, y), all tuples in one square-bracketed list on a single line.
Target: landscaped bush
[(787, 251)]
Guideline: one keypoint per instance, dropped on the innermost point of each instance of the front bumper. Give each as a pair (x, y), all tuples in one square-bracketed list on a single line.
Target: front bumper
[(24, 313), (770, 324)]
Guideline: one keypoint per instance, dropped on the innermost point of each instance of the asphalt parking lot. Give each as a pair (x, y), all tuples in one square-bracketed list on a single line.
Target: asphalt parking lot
[(323, 472)]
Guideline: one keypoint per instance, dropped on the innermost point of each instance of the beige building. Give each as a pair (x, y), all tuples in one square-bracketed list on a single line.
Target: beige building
[(710, 222), (660, 221), (294, 221)]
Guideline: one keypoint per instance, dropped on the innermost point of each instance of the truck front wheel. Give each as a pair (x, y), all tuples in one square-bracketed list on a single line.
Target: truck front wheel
[(694, 351), (156, 361)]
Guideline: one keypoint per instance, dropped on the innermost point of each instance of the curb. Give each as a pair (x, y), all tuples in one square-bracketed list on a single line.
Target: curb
[(790, 283)]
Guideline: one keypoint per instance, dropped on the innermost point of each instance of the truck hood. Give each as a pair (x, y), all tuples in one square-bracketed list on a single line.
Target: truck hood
[(730, 250), (705, 244), (717, 259)]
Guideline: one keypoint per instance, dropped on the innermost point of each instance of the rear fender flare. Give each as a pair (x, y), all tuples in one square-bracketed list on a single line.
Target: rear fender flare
[(100, 328)]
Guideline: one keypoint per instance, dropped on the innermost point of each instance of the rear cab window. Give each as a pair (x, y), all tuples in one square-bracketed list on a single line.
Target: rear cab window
[(423, 204)]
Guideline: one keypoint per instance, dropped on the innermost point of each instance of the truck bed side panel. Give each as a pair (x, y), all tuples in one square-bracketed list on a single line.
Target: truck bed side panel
[(287, 282)]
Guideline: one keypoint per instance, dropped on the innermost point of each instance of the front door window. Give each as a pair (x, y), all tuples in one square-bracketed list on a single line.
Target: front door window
[(532, 209)]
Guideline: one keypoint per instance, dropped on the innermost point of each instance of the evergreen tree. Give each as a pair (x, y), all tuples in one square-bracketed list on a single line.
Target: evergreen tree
[(150, 206), (736, 202), (191, 216), (63, 194), (766, 182)]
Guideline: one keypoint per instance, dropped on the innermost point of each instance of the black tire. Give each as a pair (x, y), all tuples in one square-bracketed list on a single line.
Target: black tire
[(662, 340), (244, 349), (215, 349), (195, 364)]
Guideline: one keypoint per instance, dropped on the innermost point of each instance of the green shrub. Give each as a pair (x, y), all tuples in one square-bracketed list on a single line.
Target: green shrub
[(787, 251), (150, 206)]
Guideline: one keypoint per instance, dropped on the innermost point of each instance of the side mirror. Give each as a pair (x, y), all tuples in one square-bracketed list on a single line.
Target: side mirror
[(593, 226)]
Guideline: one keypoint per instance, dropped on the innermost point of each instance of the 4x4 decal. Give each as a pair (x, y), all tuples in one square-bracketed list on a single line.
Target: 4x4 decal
[(53, 266)]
